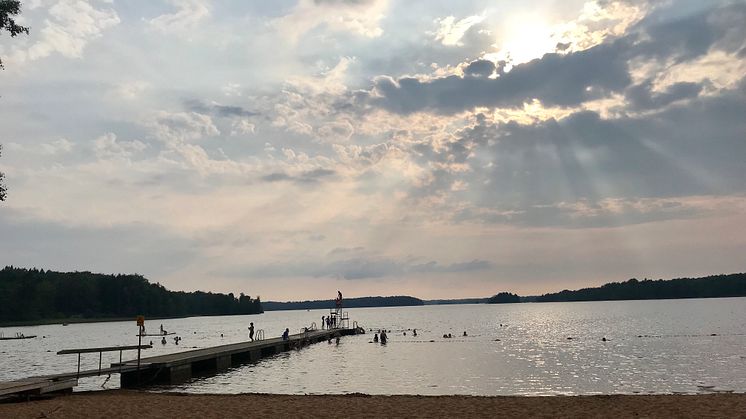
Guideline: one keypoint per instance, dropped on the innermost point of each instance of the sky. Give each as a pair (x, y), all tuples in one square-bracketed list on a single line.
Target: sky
[(441, 149)]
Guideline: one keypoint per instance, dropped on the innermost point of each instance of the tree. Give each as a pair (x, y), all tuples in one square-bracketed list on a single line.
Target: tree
[(2, 185), (504, 297), (8, 9)]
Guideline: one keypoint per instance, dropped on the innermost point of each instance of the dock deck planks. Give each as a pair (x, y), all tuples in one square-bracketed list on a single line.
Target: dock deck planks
[(196, 355)]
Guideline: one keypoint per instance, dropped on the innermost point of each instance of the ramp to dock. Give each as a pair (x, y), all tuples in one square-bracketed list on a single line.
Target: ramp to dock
[(36, 386)]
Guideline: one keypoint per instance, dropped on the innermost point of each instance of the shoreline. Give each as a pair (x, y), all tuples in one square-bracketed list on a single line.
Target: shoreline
[(78, 320), (129, 403)]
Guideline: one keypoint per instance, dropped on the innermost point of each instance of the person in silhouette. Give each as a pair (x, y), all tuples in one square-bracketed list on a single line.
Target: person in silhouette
[(375, 338), (465, 333), (251, 331), (414, 332), (339, 299), (384, 338), (322, 321), (163, 341), (286, 334)]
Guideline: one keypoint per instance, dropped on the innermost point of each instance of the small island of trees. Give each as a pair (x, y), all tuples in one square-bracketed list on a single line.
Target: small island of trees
[(504, 297)]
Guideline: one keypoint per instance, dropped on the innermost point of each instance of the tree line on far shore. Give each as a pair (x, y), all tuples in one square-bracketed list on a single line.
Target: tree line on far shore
[(398, 300), (36, 295), (715, 286)]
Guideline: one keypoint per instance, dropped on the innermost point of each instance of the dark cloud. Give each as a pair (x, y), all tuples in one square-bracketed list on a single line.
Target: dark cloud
[(480, 68), (358, 267), (535, 173), (563, 46), (214, 109), (641, 96), (555, 79), (567, 79), (309, 176)]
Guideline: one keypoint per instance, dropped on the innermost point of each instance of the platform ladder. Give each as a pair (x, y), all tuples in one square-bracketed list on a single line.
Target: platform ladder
[(340, 318)]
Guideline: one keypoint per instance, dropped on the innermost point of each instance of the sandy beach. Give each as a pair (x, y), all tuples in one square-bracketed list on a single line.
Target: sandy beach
[(133, 404)]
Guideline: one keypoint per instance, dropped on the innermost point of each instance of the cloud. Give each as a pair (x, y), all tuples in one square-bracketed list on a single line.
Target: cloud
[(52, 148), (188, 14), (451, 31), (310, 176), (641, 95), (480, 68), (216, 109), (68, 28), (555, 79), (559, 79), (242, 127), (360, 17), (546, 171), (359, 267), (183, 126), (108, 147)]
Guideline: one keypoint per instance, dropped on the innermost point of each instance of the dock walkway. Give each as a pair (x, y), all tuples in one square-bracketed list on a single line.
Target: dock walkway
[(181, 366), (176, 367)]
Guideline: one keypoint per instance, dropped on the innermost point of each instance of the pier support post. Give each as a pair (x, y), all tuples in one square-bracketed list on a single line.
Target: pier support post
[(180, 373), (222, 363)]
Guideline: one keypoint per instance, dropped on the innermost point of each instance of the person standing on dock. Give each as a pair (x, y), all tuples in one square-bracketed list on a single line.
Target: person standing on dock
[(339, 299), (286, 334), (322, 322), (251, 331)]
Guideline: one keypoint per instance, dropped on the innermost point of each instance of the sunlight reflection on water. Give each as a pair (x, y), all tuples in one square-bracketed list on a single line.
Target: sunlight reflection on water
[(652, 347)]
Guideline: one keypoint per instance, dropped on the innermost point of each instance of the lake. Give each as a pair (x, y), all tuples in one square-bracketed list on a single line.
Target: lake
[(660, 346)]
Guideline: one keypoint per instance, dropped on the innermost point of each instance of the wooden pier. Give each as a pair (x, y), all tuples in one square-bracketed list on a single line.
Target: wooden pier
[(179, 367), (36, 387), (171, 368)]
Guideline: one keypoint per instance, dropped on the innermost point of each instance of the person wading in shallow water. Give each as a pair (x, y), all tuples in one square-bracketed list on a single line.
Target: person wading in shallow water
[(251, 331)]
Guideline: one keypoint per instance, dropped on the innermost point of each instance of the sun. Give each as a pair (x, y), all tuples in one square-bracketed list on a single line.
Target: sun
[(523, 38)]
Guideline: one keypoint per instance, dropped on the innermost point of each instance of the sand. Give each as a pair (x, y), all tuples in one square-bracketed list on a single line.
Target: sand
[(134, 404)]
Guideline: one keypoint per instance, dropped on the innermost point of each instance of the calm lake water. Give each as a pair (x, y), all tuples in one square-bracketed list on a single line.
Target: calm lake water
[(671, 346)]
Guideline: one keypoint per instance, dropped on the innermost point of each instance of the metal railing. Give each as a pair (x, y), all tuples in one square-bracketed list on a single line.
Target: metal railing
[(100, 354)]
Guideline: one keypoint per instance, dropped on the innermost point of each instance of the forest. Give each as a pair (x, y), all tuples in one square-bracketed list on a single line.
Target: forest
[(732, 285), (399, 300), (503, 298), (36, 295)]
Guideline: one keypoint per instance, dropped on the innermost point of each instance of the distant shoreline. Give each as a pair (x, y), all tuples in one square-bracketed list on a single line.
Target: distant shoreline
[(127, 404), (120, 319), (45, 322)]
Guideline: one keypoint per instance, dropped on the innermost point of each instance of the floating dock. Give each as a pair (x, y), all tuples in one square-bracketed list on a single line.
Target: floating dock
[(172, 368), (179, 367)]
